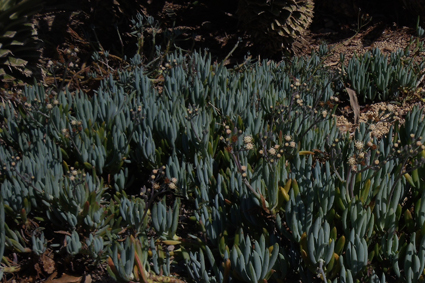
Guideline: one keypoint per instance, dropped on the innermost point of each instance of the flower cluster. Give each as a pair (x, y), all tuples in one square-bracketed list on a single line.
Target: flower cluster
[(401, 152), (289, 142), (74, 174), (248, 141), (362, 154), (159, 182), (273, 153), (192, 112)]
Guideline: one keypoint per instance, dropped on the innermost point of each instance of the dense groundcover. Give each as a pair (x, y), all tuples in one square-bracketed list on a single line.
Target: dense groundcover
[(217, 174)]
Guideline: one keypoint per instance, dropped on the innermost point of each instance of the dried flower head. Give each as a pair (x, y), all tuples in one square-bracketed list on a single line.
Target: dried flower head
[(243, 168), (174, 180), (292, 144), (249, 146), (247, 139), (172, 186), (272, 151), (288, 138), (359, 145), (352, 161)]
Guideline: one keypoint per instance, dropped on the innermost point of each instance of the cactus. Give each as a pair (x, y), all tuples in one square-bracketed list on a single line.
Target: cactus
[(19, 43), (275, 25)]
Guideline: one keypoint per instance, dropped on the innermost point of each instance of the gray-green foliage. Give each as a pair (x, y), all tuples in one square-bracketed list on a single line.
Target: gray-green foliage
[(2, 233), (123, 259), (251, 159), (378, 77), (253, 265), (165, 222)]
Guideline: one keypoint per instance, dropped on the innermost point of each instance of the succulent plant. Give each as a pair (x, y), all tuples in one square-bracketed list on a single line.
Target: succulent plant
[(251, 159), (165, 222), (414, 262), (19, 44), (275, 25), (2, 233), (121, 261), (376, 77)]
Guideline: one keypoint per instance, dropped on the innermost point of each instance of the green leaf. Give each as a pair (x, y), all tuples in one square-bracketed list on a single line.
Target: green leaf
[(252, 274)]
